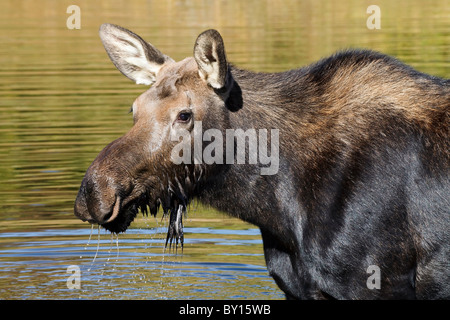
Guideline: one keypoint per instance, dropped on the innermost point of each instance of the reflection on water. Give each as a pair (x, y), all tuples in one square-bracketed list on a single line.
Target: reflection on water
[(62, 101)]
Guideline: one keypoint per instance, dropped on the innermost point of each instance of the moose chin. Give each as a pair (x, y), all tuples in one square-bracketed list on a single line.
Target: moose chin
[(362, 164)]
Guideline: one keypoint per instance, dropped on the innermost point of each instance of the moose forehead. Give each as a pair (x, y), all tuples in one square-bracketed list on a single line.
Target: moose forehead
[(173, 83)]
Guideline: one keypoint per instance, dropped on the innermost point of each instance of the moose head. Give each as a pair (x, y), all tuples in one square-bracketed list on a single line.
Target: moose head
[(136, 170)]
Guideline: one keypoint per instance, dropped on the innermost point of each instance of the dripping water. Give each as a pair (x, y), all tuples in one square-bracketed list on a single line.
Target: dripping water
[(89, 240), (98, 246)]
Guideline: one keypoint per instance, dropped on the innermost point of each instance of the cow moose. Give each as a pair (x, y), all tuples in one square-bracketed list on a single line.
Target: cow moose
[(362, 173)]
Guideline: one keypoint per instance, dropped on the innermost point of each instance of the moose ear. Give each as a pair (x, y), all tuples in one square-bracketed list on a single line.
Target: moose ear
[(209, 53), (134, 57)]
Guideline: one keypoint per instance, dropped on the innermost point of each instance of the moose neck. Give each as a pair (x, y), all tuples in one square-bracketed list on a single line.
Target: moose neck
[(254, 103)]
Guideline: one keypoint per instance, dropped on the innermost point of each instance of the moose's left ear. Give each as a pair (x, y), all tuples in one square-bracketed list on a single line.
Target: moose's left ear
[(209, 53)]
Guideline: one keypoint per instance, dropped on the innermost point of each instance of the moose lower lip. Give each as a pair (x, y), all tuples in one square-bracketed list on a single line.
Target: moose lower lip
[(122, 215), (115, 211)]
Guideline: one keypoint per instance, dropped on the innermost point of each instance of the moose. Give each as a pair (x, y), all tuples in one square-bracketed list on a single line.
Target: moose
[(362, 176)]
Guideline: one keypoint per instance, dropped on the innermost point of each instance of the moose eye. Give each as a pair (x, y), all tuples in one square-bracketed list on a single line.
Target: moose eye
[(184, 116)]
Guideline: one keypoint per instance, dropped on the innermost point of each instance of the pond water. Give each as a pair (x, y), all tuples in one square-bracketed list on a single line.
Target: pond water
[(62, 101), (214, 263)]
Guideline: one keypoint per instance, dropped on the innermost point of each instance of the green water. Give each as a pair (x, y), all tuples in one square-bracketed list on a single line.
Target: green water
[(62, 101)]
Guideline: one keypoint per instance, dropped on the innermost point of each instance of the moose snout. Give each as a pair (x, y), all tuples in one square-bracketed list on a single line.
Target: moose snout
[(96, 203), (107, 183)]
